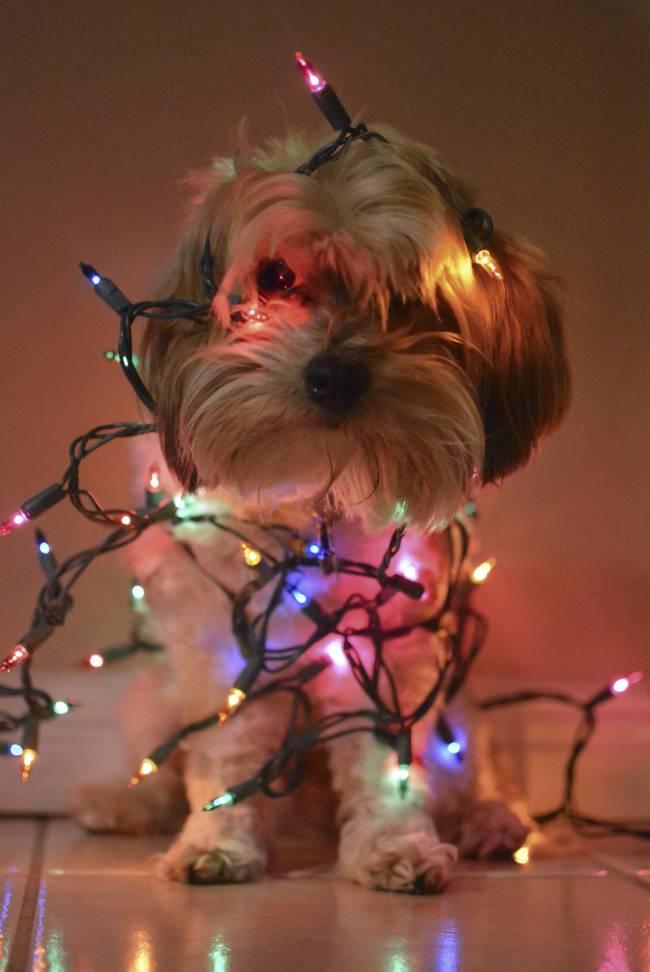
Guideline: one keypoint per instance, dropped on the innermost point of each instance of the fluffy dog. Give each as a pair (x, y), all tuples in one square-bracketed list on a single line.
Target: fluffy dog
[(364, 363)]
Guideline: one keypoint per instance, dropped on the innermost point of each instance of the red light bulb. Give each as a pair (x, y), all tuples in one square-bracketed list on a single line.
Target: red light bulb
[(15, 521), (314, 81), (18, 655)]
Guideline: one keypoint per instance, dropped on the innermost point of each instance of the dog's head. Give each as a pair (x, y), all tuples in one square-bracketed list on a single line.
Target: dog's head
[(356, 350)]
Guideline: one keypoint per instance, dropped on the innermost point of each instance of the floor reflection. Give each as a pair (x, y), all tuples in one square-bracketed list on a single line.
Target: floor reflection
[(7, 895), (615, 959), (141, 956), (39, 963), (219, 955), (447, 948)]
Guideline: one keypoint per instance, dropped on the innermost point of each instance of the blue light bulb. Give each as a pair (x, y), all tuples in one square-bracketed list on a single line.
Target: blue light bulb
[(299, 597), (314, 549), (16, 749), (454, 747), (44, 547)]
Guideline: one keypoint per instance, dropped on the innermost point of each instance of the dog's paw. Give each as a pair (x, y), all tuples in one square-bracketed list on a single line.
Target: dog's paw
[(230, 861), (112, 808), (103, 808), (491, 831), (413, 862)]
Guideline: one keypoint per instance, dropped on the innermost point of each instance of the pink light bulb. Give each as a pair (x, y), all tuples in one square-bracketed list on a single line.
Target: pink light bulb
[(315, 82), (15, 521), (621, 685), (407, 568), (334, 651)]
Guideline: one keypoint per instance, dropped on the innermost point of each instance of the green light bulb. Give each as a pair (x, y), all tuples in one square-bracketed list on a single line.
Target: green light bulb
[(225, 800)]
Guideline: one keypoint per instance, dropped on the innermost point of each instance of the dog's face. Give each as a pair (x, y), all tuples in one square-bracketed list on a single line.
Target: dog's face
[(356, 353)]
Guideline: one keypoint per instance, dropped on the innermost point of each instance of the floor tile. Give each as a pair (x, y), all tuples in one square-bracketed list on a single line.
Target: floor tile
[(627, 856), (12, 890), (99, 911), (19, 839), (71, 850), (16, 843)]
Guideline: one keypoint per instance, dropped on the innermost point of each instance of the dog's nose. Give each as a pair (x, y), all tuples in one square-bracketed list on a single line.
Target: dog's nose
[(336, 380)]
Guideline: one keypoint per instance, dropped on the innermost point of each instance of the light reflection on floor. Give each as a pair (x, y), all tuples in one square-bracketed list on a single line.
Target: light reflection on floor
[(447, 948), (97, 909), (219, 955)]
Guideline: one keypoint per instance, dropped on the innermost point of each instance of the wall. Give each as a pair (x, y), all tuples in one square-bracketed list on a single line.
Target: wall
[(106, 106)]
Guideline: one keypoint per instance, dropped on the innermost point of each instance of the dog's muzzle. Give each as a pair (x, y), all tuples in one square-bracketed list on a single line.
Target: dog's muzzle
[(336, 381)]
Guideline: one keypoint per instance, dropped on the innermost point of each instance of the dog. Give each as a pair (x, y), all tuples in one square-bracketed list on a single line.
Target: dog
[(375, 352)]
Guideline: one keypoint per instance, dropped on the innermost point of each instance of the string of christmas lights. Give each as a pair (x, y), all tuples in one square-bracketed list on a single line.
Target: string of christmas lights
[(454, 620), (281, 572)]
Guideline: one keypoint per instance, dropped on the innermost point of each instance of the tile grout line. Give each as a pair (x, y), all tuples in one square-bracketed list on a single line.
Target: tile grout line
[(21, 946)]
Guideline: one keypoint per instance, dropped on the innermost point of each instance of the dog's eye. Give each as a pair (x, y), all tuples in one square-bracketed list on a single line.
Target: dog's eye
[(275, 276)]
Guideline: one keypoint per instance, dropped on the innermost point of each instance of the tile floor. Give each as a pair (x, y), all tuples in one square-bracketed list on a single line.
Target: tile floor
[(75, 903)]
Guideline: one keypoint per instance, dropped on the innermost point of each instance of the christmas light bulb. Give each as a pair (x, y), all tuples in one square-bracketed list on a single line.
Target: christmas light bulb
[(154, 479), (299, 597), (146, 768), (481, 573), (483, 258), (137, 592), (252, 556), (105, 288), (61, 707), (399, 510), (407, 568), (234, 699), (522, 855), (96, 661), (16, 749), (313, 549), (126, 520), (225, 800), (91, 274), (313, 79), (334, 651), (324, 95), (15, 521), (179, 501), (454, 747), (28, 760), (44, 548), (19, 654), (403, 776), (621, 685)]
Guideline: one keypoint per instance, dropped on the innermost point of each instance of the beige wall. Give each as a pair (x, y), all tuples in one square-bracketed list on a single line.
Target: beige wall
[(107, 105)]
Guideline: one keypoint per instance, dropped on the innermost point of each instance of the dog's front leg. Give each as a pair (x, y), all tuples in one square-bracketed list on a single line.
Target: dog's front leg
[(226, 844), (387, 840)]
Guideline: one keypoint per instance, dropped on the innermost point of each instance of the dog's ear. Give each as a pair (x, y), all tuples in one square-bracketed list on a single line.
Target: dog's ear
[(170, 347), (513, 348)]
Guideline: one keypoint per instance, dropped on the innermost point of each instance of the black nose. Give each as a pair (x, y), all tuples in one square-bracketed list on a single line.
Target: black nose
[(336, 380)]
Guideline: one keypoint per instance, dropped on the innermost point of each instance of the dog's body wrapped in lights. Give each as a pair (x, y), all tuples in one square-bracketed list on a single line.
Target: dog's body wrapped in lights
[(362, 365)]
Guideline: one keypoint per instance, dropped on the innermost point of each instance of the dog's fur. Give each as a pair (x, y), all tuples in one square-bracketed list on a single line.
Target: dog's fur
[(465, 373)]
